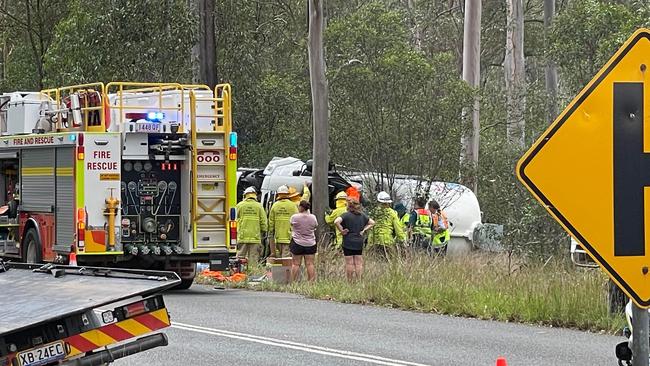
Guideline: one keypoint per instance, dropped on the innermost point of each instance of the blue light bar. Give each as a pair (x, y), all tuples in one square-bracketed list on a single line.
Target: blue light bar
[(233, 214), (155, 116), (233, 139)]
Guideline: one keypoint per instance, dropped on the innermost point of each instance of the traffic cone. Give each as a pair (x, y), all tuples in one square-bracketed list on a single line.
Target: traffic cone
[(72, 261), (501, 361)]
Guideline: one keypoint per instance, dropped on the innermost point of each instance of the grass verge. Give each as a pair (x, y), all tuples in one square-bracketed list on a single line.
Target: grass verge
[(486, 287)]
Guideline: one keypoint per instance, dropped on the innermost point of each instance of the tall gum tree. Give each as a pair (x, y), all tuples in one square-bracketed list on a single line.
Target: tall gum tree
[(515, 74), (472, 75), (550, 70), (320, 110)]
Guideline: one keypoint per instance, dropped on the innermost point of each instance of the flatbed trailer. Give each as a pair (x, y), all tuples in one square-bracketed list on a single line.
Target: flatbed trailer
[(64, 315)]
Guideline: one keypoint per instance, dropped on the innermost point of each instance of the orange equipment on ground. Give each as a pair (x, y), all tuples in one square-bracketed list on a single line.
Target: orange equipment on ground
[(217, 275)]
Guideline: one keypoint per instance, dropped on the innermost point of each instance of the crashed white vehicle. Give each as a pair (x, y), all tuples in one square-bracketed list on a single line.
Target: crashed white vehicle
[(288, 171)]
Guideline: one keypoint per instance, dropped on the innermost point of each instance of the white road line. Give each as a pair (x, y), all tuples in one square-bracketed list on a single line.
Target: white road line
[(296, 346)]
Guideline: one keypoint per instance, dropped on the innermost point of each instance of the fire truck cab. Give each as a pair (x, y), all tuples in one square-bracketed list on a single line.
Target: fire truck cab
[(139, 175)]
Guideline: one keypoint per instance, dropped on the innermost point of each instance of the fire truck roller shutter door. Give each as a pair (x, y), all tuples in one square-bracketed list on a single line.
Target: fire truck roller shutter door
[(65, 193), (37, 188)]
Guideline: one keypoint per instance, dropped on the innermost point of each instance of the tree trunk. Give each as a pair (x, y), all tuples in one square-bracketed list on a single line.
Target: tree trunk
[(38, 57), (163, 57), (471, 75), (320, 111), (3, 55), (551, 69), (195, 57), (515, 75), (207, 51), (3, 58), (415, 26)]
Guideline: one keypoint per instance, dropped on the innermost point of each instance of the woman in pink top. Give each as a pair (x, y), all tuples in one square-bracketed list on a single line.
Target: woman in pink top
[(303, 241)]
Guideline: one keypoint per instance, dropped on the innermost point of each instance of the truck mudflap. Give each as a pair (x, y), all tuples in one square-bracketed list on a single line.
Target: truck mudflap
[(101, 323)]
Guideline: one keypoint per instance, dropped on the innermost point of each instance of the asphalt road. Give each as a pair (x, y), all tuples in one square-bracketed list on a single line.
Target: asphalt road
[(238, 327)]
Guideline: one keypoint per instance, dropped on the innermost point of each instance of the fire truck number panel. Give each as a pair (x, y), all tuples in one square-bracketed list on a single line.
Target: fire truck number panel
[(151, 202)]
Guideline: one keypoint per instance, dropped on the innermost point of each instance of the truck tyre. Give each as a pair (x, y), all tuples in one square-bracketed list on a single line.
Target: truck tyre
[(32, 247), (185, 284), (616, 299)]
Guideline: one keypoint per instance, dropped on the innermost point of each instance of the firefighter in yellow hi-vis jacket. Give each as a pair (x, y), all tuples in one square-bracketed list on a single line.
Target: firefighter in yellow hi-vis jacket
[(296, 196), (341, 208), (252, 225), (279, 225)]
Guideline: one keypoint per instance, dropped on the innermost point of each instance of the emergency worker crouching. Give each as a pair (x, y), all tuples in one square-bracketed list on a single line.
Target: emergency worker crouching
[(341, 208), (251, 226), (419, 226), (279, 223)]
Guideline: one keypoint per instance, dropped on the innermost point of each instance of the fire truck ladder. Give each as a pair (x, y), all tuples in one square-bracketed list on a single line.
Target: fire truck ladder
[(209, 168)]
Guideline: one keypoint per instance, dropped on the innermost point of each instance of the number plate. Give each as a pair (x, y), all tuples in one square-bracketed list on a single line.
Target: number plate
[(147, 127), (42, 355)]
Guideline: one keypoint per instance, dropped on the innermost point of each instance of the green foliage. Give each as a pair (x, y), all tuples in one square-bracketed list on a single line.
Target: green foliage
[(586, 34), (26, 34), (262, 51), (403, 120), (21, 70), (132, 40)]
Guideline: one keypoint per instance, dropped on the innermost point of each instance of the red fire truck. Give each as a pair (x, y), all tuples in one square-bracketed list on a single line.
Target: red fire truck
[(137, 175)]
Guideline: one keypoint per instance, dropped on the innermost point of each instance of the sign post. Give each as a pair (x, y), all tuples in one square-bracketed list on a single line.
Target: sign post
[(640, 345), (591, 171)]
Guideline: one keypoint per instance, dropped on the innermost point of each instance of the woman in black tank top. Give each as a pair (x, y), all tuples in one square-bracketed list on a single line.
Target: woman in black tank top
[(353, 225)]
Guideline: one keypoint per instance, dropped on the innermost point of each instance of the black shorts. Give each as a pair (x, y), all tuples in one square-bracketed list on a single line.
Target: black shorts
[(348, 252), (297, 249)]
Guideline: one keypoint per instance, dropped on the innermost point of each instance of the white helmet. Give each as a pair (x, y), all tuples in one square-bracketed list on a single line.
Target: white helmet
[(283, 189), (250, 190), (384, 197)]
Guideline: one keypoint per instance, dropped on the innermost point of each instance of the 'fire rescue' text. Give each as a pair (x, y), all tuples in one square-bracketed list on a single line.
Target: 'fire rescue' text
[(101, 165)]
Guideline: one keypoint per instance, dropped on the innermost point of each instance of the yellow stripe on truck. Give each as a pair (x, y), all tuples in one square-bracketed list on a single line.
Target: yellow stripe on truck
[(133, 327), (37, 171), (64, 172)]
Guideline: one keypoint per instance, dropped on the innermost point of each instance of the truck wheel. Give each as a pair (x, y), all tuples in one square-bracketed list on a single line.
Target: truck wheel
[(185, 284), (32, 245)]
